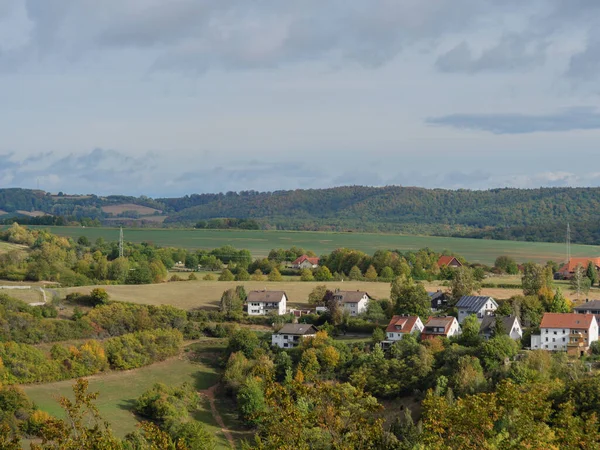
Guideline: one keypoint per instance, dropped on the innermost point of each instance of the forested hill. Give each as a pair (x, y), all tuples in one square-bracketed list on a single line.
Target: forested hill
[(524, 214)]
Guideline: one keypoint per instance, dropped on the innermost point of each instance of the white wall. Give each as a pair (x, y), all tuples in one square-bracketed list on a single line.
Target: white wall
[(287, 340), (260, 308)]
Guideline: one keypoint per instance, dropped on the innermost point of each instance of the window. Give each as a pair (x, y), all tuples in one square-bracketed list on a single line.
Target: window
[(563, 331), (555, 332), (546, 339), (563, 339), (555, 346), (553, 339)]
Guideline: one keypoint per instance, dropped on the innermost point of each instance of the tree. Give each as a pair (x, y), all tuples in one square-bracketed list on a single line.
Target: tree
[(378, 335), (98, 296), (306, 275), (226, 275), (559, 303), (258, 275), (355, 273), (274, 275), (323, 274), (317, 296), (83, 241), (579, 282), (470, 331), (592, 273), (191, 261), (251, 401), (463, 283), (231, 304), (386, 273), (242, 275), (507, 265), (371, 273), (410, 297), (535, 277)]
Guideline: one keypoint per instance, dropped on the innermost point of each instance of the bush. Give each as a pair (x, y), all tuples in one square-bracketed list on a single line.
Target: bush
[(226, 275), (209, 277), (192, 277)]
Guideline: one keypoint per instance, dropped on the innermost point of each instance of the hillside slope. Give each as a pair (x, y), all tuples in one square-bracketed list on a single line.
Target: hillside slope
[(522, 214)]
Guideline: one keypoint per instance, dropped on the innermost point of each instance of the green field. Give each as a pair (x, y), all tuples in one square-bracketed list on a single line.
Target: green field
[(260, 242), (118, 391)]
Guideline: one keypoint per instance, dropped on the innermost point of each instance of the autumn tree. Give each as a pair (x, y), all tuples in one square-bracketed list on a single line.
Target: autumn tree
[(535, 278), (463, 283), (410, 297), (371, 273), (580, 283)]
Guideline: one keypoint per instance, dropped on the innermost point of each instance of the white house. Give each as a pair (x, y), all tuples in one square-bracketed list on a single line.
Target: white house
[(306, 262), (355, 302), (511, 324), (475, 304), (261, 303), (444, 326), (400, 326), (568, 332), (291, 334)]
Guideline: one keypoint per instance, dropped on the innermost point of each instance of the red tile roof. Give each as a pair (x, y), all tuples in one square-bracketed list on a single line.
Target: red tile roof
[(447, 260), (574, 262), (314, 261), (401, 324), (567, 320)]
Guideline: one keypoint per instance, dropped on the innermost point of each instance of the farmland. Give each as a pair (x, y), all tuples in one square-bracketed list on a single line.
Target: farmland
[(118, 391), (260, 242), (119, 209), (7, 247), (206, 294)]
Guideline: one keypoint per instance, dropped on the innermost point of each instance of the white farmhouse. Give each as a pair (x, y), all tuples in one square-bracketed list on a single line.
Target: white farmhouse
[(261, 303), (291, 334), (510, 324), (355, 302), (400, 326), (568, 332), (475, 304)]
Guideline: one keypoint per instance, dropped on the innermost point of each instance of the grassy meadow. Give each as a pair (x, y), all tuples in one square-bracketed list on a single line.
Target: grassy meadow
[(260, 242), (119, 390)]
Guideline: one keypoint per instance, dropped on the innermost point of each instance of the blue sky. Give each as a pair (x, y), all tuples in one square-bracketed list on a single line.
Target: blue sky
[(163, 98)]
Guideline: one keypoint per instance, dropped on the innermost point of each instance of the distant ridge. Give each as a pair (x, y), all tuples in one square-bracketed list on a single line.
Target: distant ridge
[(522, 214)]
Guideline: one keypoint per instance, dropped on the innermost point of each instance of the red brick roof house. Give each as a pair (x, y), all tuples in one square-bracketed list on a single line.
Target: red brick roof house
[(400, 326), (567, 270), (449, 261), (445, 326), (305, 262)]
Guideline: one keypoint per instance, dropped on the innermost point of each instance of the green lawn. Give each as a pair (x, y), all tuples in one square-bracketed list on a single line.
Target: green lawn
[(118, 391), (260, 242)]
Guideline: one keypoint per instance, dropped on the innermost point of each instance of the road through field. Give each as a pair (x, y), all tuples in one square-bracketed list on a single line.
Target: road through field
[(260, 242)]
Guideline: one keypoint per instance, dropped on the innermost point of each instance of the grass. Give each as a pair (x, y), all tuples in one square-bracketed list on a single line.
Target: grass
[(118, 391), (140, 209), (260, 242), (6, 247), (25, 295)]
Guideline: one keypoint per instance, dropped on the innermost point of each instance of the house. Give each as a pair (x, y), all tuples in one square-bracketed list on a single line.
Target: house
[(291, 334), (567, 270), (355, 302), (448, 261), (475, 304), (439, 300), (568, 332), (592, 307), (400, 326), (511, 325), (305, 262), (444, 326), (261, 303)]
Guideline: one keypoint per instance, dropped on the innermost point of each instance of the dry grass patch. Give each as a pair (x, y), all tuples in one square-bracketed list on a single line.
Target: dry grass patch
[(119, 209), (33, 213)]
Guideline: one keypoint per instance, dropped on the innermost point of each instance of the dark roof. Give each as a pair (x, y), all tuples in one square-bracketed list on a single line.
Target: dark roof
[(473, 302), (401, 324), (594, 304), (350, 296), (265, 296), (297, 328), (436, 295), (489, 323)]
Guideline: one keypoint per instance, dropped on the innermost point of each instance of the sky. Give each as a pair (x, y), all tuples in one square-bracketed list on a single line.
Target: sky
[(173, 97)]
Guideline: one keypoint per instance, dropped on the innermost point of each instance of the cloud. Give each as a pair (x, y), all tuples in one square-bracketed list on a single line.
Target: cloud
[(580, 118), (510, 53)]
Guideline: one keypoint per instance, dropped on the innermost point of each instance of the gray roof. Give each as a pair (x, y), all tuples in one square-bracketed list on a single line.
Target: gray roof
[(350, 296), (594, 304), (265, 296), (297, 328), (474, 302), (489, 322), (434, 295)]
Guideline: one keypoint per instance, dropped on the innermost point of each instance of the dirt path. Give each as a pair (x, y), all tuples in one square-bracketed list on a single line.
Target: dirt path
[(210, 395)]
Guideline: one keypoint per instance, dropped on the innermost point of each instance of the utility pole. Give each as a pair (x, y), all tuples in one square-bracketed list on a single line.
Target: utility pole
[(121, 242)]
